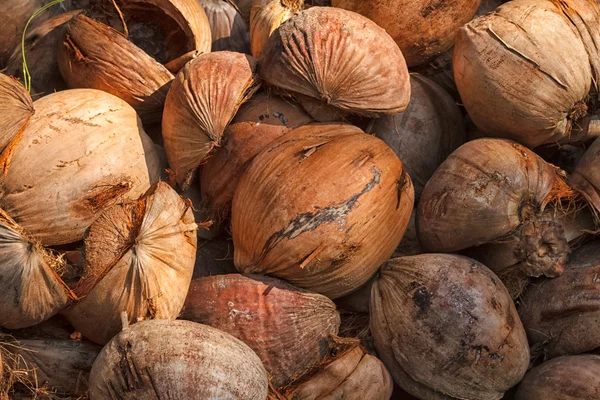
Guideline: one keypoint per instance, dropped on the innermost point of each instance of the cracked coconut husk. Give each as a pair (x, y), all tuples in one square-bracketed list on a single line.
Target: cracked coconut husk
[(229, 30), (266, 16)]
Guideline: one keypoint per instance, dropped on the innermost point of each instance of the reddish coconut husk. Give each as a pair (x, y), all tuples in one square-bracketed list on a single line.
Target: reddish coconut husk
[(16, 109), (266, 16), (287, 327), (140, 259), (203, 99), (214, 257), (339, 58), (425, 134), (342, 201), (259, 121), (510, 80), (586, 179), (229, 30), (177, 359), (89, 151), (565, 378), (421, 29), (446, 327)]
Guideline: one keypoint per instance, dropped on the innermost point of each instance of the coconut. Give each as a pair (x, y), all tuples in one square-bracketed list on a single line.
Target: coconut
[(266, 16), (16, 109), (311, 201), (140, 259), (566, 378), (426, 133), (259, 121), (202, 101), (506, 70), (585, 179), (201, 210), (229, 30), (421, 29), (288, 328), (341, 59), (177, 359), (245, 7), (446, 327), (88, 150), (214, 257)]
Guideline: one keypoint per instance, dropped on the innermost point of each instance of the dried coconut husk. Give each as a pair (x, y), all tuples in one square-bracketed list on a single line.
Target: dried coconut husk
[(425, 134), (422, 29), (229, 30), (201, 210), (565, 378), (245, 7), (266, 16), (214, 257), (446, 327), (140, 259), (16, 109), (497, 191), (179, 360), (321, 207), (340, 58), (202, 101), (586, 179), (88, 150), (287, 327), (259, 121), (508, 73)]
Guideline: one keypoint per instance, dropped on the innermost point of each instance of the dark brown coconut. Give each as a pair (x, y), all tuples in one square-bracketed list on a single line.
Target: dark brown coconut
[(446, 327), (229, 30), (586, 178), (341, 59), (266, 16), (421, 29), (179, 360), (16, 109), (288, 328), (321, 207), (565, 378), (245, 7), (202, 101), (259, 121)]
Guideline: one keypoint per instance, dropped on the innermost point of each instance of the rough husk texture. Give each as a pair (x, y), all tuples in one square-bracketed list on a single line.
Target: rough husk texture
[(586, 177), (446, 327), (229, 30), (287, 327), (266, 16), (524, 72), (565, 378), (422, 29), (202, 101), (178, 360), (88, 150), (321, 207), (339, 58), (16, 108)]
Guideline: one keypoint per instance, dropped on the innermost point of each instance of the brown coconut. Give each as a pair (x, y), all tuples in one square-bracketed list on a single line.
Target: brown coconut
[(288, 328), (510, 80), (245, 7), (586, 179), (88, 150), (310, 203), (421, 29), (202, 101), (229, 30), (446, 327), (565, 378), (341, 59), (214, 257), (16, 109), (140, 259), (425, 134), (266, 16), (259, 121), (179, 360)]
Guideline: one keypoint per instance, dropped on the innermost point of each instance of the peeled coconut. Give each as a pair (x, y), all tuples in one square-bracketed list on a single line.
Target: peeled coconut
[(179, 360), (266, 16), (229, 30), (425, 133), (586, 179), (259, 121), (422, 29), (565, 378), (510, 80), (288, 328), (140, 259), (202, 101), (339, 58), (16, 109), (321, 207), (446, 327), (88, 150)]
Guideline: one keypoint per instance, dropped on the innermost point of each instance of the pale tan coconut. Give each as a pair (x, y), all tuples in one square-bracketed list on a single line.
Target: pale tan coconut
[(16, 109)]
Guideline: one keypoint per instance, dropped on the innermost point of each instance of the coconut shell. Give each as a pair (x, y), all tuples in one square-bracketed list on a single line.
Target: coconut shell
[(266, 16), (446, 327), (16, 109), (202, 101), (179, 360), (259, 121), (88, 150), (422, 29), (340, 58), (288, 328), (565, 378), (229, 30), (214, 257), (586, 179), (508, 73), (305, 209), (426, 133), (140, 259)]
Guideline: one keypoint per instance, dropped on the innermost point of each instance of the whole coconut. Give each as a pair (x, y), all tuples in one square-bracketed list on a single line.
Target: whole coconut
[(16, 109), (229, 30), (586, 179), (266, 16)]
